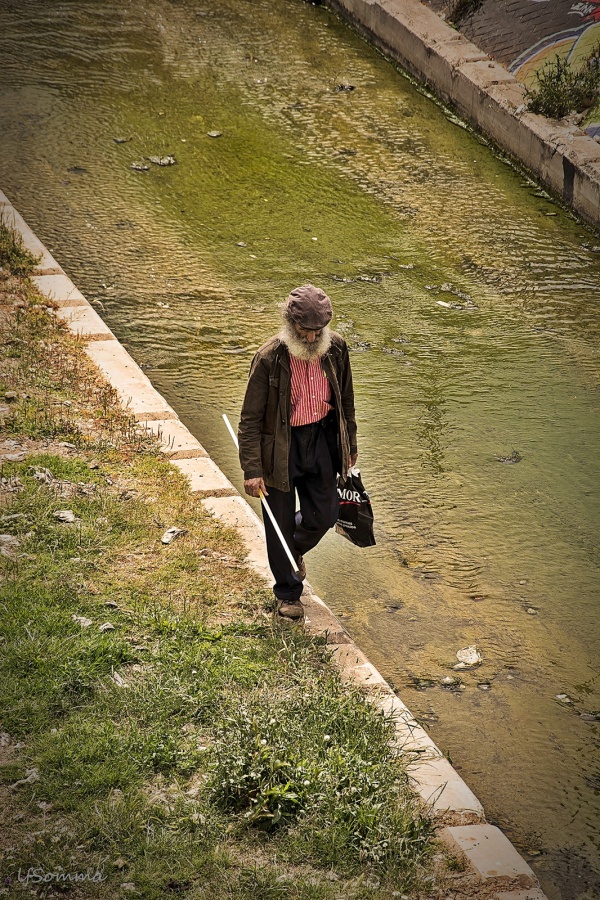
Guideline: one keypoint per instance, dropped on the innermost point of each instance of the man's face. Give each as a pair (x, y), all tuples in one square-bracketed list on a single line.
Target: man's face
[(306, 335)]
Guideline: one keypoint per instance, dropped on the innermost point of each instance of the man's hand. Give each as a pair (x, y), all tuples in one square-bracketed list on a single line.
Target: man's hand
[(252, 486), (353, 458)]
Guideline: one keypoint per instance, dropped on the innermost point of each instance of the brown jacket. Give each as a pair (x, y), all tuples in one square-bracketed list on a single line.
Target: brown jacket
[(265, 432)]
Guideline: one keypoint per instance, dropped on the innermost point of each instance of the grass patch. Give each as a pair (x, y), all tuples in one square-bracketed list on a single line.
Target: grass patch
[(161, 730), (560, 88), (14, 258)]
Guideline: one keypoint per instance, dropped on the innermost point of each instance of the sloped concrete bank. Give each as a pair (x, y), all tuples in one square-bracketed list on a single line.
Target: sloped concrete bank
[(565, 158), (459, 815)]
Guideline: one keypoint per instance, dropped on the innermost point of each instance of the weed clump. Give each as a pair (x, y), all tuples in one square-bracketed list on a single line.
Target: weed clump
[(13, 255), (560, 88), (316, 757)]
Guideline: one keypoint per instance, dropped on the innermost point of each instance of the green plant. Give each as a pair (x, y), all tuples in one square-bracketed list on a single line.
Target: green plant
[(560, 88), (13, 255)]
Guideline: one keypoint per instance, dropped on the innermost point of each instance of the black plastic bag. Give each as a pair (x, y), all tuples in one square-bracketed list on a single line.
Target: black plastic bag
[(355, 518)]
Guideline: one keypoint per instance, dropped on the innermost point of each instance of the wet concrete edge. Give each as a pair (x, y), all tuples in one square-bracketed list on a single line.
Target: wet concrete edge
[(564, 158), (455, 810)]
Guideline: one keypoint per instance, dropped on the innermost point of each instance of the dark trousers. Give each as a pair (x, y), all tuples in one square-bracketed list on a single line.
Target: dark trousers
[(312, 470)]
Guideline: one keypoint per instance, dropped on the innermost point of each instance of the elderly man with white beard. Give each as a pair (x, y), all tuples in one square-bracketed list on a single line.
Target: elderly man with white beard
[(297, 431)]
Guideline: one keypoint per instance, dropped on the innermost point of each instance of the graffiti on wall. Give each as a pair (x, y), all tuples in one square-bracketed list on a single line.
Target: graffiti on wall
[(574, 44)]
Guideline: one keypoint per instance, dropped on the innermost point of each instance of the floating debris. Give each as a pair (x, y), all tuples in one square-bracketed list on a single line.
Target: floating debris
[(370, 279), (77, 170), (515, 457), (241, 244), (122, 140), (343, 87), (162, 160), (564, 698), (214, 134), (139, 167)]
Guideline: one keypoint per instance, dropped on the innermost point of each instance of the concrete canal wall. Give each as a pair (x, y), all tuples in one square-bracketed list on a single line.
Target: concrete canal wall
[(455, 809), (563, 157)]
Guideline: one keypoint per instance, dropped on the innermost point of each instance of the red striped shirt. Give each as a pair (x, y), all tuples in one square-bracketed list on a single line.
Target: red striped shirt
[(310, 391)]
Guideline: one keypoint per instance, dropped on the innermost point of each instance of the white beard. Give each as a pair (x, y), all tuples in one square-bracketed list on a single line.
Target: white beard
[(300, 348)]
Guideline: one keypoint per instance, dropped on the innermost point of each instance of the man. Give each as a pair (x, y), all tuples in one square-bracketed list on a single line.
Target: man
[(297, 430)]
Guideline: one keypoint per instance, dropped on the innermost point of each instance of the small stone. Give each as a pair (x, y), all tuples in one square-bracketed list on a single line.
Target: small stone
[(563, 698), (112, 604), (128, 886), (64, 515), (162, 160), (108, 626), (9, 544), (10, 396), (68, 445), (531, 611), (484, 686), (139, 167), (81, 620), (470, 656), (93, 465), (118, 680), (13, 457), (214, 134), (119, 863), (240, 244)]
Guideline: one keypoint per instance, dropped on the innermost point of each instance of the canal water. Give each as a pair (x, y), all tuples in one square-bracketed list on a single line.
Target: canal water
[(470, 302)]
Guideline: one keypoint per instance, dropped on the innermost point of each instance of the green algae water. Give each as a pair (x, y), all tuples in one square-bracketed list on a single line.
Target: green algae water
[(471, 304)]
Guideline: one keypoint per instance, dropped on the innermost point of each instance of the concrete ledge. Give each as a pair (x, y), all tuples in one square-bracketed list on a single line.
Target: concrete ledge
[(84, 321), (235, 512), (60, 289), (176, 442), (565, 159), (4, 199), (206, 477), (530, 894), (133, 387), (47, 265), (491, 854)]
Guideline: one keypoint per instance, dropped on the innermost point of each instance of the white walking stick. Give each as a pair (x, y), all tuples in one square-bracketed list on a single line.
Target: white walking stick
[(266, 505)]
